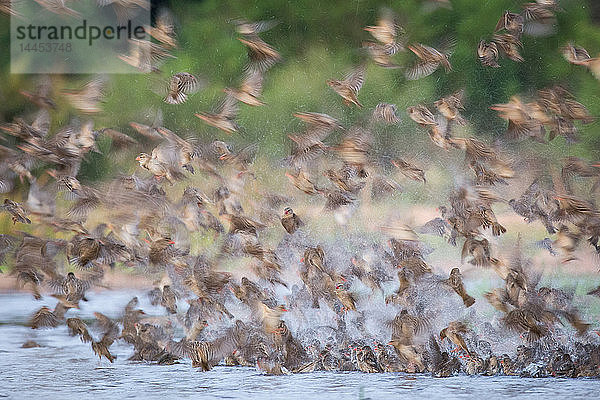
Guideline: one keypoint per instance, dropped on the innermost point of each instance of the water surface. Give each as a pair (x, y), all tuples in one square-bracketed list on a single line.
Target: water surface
[(66, 367)]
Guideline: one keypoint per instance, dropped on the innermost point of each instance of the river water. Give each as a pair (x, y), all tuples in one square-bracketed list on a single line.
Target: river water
[(64, 366)]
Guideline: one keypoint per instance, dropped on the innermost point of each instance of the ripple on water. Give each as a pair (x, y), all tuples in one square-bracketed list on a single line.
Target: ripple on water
[(65, 366)]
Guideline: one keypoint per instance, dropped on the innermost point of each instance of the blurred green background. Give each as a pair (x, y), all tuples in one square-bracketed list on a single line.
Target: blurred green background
[(320, 40)]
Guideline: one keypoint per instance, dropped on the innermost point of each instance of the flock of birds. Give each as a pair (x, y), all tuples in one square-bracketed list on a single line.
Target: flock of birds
[(304, 305)]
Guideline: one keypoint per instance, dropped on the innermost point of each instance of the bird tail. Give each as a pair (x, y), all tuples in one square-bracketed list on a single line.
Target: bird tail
[(468, 300)]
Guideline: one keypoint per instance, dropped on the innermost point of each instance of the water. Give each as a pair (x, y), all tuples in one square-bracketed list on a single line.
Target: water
[(65, 366)]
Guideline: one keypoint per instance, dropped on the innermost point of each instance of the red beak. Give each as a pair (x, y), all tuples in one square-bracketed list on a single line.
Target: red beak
[(302, 260), (171, 242)]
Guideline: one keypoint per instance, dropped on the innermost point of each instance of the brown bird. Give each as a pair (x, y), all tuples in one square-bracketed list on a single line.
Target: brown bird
[(450, 107), (430, 60), (45, 318), (41, 96), (512, 23), (240, 223), (164, 28), (421, 115), (498, 298), (387, 29), (404, 328), (480, 250), (262, 55), (409, 170), (290, 220), (523, 320), (520, 120), (250, 89), (488, 54), (78, 328), (180, 85), (576, 55), (382, 54), (509, 46), (387, 113), (74, 288), (88, 98), (146, 56), (248, 28), (579, 56), (302, 182), (169, 299), (110, 333), (161, 164), (17, 212), (456, 283), (567, 242), (345, 297), (455, 331), (349, 86), (224, 117)]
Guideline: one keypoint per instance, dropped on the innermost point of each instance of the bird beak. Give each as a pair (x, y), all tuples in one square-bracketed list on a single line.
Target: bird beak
[(302, 260), (596, 165), (137, 158), (171, 242)]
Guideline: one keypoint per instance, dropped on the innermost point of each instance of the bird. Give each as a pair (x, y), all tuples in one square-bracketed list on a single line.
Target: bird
[(180, 85), (456, 283), (350, 85), (290, 221), (488, 54), (224, 117), (454, 332), (430, 59), (409, 170), (17, 211), (164, 28)]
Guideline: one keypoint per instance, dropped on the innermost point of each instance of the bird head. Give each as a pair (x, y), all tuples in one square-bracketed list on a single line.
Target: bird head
[(443, 334), (288, 211)]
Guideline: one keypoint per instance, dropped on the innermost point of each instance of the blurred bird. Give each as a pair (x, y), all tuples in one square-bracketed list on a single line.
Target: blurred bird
[(179, 86), (224, 118), (430, 60), (456, 283), (349, 86)]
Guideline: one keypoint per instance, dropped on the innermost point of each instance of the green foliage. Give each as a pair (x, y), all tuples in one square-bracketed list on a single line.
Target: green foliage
[(320, 40)]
